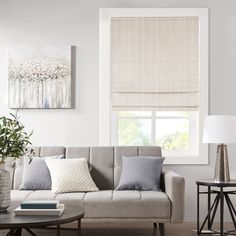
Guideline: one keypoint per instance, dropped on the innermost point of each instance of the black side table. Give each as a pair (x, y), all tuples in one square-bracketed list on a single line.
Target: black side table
[(221, 195)]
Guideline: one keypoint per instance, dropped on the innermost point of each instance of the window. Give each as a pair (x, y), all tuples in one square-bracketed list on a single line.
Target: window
[(154, 80), (175, 132)]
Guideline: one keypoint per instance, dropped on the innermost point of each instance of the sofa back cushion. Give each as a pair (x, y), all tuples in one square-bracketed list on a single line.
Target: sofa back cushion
[(39, 152), (101, 162), (105, 163)]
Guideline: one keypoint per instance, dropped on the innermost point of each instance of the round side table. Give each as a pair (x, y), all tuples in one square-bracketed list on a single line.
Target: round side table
[(221, 192)]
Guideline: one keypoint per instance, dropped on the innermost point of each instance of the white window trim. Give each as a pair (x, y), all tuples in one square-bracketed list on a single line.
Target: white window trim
[(104, 72)]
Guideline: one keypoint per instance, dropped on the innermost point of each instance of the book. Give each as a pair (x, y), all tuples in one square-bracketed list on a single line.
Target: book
[(44, 204), (40, 212)]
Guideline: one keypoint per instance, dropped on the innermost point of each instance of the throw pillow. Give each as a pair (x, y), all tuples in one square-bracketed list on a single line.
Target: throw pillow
[(70, 175), (141, 173), (36, 175)]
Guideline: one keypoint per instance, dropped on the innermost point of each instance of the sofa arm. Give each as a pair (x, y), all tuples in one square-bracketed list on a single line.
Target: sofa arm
[(175, 189)]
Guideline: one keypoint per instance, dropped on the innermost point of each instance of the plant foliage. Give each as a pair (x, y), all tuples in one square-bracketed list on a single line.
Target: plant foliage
[(13, 138)]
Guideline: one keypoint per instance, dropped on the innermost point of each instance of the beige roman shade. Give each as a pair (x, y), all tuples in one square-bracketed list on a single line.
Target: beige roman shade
[(155, 63)]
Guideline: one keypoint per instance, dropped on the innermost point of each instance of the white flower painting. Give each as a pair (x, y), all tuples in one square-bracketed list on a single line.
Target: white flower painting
[(39, 76)]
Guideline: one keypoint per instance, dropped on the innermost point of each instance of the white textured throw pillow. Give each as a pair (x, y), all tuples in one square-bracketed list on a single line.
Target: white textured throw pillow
[(70, 175)]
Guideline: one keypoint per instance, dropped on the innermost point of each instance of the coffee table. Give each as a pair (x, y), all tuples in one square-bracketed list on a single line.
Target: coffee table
[(16, 224)]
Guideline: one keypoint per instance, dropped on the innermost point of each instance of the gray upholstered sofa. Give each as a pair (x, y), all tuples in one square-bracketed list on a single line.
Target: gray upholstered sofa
[(107, 204)]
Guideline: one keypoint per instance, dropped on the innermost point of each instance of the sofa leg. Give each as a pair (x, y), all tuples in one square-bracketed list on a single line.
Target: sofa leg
[(162, 229), (155, 225)]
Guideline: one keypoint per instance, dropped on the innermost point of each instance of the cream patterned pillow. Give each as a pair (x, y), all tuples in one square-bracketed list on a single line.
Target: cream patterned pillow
[(70, 175)]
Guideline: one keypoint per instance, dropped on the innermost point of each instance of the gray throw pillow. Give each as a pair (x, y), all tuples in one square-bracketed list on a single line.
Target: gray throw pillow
[(36, 175), (141, 173)]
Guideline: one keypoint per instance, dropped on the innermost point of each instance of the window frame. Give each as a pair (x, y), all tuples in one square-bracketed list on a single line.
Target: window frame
[(107, 116)]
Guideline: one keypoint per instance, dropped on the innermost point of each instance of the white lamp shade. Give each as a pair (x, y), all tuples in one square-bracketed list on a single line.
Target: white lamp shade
[(219, 129)]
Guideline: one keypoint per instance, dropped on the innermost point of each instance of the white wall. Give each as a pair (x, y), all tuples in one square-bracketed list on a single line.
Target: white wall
[(75, 22)]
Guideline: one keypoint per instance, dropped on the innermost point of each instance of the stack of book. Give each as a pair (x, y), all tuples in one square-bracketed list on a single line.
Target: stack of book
[(39, 208)]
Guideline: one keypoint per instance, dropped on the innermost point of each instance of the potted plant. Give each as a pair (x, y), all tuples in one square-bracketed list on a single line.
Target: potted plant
[(13, 144)]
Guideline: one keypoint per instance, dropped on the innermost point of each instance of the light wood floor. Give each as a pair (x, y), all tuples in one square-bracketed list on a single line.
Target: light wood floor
[(121, 230)]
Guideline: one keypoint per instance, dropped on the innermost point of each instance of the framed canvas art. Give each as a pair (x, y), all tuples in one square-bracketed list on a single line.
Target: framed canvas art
[(39, 76)]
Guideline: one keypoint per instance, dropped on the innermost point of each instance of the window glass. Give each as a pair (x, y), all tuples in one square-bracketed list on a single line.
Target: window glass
[(174, 131), (134, 131), (173, 134)]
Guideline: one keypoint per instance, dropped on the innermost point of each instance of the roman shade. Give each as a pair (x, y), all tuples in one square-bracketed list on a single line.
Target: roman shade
[(155, 63)]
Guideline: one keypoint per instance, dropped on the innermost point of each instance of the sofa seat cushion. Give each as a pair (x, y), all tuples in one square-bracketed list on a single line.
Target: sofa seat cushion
[(18, 196), (42, 195), (108, 203), (21, 195), (73, 198), (127, 204)]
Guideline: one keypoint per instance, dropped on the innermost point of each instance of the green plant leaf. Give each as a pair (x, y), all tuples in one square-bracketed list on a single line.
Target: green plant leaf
[(13, 138)]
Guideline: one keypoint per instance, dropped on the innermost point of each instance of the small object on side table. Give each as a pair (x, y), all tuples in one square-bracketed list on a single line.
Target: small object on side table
[(40, 212), (216, 188), (39, 204)]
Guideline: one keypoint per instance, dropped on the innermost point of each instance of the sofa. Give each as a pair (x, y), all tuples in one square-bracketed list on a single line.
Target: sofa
[(109, 205)]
